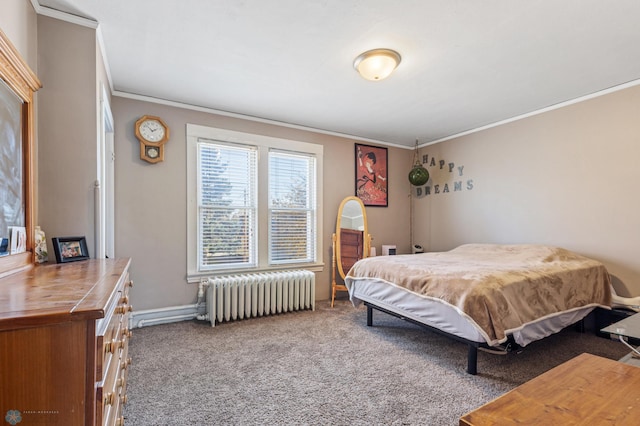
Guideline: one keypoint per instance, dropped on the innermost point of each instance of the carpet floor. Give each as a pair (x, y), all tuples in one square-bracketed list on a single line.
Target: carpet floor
[(324, 367)]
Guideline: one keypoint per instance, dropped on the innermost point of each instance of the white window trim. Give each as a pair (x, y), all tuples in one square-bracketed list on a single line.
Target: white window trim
[(194, 132)]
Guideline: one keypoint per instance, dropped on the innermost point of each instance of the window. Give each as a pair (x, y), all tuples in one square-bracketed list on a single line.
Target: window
[(292, 207), (252, 202), (227, 205)]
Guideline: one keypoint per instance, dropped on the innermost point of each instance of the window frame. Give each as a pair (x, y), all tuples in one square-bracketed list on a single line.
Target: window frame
[(264, 144)]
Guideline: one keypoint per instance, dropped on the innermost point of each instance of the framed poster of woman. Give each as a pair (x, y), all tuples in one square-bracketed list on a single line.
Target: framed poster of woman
[(371, 175)]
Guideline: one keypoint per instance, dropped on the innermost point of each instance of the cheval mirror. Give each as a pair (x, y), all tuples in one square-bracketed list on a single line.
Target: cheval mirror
[(350, 242)]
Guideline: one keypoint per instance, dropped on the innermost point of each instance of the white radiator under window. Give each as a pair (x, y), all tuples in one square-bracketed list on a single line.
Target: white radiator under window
[(235, 297)]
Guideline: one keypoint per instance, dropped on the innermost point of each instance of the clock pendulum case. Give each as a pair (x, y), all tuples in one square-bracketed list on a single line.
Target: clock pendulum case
[(152, 133)]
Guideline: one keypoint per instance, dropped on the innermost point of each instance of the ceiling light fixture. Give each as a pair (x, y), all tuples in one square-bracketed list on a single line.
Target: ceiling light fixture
[(377, 64)]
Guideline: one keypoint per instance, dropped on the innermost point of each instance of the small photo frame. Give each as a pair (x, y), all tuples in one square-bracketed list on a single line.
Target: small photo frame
[(18, 239), (371, 175), (70, 249)]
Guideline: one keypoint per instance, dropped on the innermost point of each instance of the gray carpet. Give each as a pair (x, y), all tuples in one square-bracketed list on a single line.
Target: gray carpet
[(324, 367)]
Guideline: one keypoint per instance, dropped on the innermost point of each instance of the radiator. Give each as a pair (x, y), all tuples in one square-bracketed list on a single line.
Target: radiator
[(236, 297)]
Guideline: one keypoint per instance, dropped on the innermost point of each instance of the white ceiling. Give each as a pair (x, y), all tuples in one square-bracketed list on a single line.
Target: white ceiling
[(465, 63)]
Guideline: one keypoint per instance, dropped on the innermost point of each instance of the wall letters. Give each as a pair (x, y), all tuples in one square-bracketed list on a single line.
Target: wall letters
[(444, 178)]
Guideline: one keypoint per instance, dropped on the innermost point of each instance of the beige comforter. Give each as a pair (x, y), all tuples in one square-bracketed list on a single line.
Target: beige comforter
[(500, 287)]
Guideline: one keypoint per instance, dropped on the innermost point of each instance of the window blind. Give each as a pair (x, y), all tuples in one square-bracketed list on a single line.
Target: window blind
[(227, 205), (292, 207)]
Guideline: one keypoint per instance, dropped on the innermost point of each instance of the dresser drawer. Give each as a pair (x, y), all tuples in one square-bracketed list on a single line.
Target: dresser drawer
[(115, 414), (107, 396), (106, 344), (113, 359)]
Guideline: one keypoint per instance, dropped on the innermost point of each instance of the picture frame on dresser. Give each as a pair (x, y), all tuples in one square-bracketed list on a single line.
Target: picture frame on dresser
[(70, 249)]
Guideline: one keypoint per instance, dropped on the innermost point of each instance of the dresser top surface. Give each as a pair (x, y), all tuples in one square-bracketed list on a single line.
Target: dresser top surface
[(587, 389), (79, 289)]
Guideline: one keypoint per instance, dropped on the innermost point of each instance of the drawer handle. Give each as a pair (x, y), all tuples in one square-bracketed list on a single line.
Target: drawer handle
[(108, 400), (123, 399), (123, 309), (112, 346), (125, 363), (120, 421), (121, 382), (124, 300), (128, 333)]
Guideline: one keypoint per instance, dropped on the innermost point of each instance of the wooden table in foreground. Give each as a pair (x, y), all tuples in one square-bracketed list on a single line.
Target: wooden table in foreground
[(586, 390)]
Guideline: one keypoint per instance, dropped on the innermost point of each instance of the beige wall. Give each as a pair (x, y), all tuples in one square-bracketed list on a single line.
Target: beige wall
[(568, 177), (67, 129), (18, 22), (151, 199)]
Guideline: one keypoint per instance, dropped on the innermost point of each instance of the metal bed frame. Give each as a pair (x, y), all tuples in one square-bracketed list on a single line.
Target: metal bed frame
[(472, 353)]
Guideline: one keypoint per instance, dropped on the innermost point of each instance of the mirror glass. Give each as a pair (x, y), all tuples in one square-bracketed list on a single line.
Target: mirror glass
[(352, 235), (11, 188)]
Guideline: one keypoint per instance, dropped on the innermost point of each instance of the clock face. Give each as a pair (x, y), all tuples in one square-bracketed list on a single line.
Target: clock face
[(152, 130)]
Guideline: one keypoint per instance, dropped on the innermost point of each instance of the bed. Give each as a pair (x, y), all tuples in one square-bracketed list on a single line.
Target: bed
[(489, 296)]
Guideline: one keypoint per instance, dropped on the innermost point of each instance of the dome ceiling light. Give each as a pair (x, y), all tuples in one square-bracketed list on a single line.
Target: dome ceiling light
[(377, 64)]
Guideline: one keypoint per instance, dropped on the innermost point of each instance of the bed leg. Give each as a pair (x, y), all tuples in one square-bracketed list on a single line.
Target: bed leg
[(472, 360), (369, 316)]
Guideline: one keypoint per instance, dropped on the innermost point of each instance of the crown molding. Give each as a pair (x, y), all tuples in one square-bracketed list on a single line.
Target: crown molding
[(63, 16), (251, 118), (539, 111)]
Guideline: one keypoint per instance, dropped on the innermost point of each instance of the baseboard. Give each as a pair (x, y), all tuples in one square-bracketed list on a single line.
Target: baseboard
[(164, 315)]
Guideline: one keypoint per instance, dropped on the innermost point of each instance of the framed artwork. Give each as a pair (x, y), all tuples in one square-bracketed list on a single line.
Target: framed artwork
[(371, 175), (70, 249)]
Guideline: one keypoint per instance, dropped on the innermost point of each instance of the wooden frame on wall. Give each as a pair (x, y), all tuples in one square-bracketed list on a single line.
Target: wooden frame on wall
[(371, 165), (15, 72)]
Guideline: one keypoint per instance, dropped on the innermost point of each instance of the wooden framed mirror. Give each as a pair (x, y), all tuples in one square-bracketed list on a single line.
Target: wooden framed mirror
[(351, 241), (17, 86)]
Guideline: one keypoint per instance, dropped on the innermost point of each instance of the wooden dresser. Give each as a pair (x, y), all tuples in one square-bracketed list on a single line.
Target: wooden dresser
[(63, 343), (586, 390), (352, 247)]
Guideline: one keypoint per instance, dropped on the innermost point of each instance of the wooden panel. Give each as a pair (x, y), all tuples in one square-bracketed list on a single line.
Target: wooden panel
[(36, 364), (586, 390)]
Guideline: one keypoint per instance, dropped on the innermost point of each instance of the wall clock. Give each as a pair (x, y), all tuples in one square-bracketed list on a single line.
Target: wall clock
[(152, 133)]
